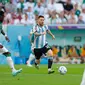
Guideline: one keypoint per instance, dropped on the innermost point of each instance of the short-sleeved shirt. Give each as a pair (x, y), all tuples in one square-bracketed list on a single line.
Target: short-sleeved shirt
[(40, 41)]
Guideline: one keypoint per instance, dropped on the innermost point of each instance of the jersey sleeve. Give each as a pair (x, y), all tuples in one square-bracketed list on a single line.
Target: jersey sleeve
[(33, 30), (46, 27)]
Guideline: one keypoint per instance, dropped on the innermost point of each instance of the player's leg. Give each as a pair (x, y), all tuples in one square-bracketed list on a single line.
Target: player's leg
[(38, 54), (37, 62), (5, 52), (50, 61), (31, 58), (83, 79)]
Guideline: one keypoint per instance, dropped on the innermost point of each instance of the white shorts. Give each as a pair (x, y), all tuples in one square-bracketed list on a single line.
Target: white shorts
[(3, 50)]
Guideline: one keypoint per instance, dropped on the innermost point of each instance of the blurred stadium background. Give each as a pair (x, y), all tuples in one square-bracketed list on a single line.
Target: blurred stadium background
[(65, 19)]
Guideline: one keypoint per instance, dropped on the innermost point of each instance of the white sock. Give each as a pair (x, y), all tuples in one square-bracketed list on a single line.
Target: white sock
[(49, 69), (83, 79), (31, 57), (10, 63)]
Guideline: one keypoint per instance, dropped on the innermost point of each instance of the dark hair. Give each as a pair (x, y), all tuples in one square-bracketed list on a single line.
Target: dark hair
[(40, 16)]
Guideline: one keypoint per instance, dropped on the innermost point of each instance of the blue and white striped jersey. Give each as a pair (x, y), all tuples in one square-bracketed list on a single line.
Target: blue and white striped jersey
[(39, 41)]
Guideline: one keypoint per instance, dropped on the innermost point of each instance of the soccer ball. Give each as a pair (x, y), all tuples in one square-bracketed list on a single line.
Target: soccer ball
[(62, 70)]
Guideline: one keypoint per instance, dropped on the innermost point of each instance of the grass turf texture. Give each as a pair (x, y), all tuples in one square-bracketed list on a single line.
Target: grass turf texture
[(32, 76)]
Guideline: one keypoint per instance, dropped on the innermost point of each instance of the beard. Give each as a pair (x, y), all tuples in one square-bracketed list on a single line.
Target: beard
[(41, 24)]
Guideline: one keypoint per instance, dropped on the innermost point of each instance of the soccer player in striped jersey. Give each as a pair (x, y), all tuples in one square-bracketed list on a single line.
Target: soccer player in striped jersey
[(40, 45)]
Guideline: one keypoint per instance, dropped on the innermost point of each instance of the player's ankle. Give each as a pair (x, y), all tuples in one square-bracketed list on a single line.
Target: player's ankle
[(36, 64), (49, 69), (13, 70)]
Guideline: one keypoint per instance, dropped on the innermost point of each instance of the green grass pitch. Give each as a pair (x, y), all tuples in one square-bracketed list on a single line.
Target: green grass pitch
[(32, 76)]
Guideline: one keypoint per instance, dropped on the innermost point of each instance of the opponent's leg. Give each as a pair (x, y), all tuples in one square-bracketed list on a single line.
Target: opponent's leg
[(5, 52), (11, 64)]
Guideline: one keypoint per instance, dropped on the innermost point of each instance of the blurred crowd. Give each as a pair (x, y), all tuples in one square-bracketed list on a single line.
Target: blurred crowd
[(71, 54), (55, 11)]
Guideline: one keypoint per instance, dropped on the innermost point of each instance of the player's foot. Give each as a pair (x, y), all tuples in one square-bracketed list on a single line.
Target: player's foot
[(37, 66), (29, 65), (14, 73), (51, 71)]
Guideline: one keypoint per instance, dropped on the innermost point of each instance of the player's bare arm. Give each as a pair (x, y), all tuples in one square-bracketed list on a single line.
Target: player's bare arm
[(39, 34), (49, 32), (3, 33)]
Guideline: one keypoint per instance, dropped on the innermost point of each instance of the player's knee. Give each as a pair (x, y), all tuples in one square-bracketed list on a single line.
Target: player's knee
[(50, 53), (7, 54), (1, 46)]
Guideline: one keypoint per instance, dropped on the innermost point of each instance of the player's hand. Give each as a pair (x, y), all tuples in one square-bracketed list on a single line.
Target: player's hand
[(44, 33), (53, 36), (7, 39)]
